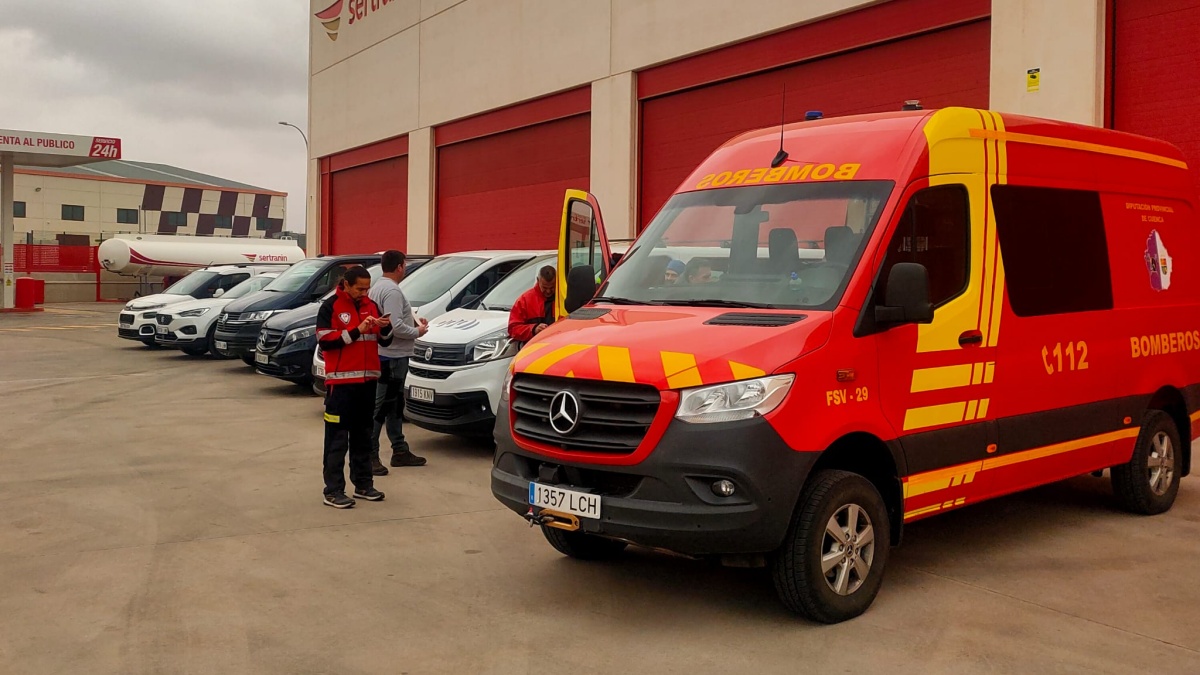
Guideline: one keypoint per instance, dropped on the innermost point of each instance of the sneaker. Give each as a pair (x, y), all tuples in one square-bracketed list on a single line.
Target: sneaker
[(377, 467), (339, 500), (370, 494), (407, 459)]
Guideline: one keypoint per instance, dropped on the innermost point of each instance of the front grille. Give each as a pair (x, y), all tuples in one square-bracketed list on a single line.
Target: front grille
[(163, 319), (429, 374), (269, 339), (440, 355), (231, 320), (613, 417), (463, 405), (125, 318)]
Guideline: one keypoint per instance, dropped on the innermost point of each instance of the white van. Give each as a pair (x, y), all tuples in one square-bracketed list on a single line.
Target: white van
[(189, 326), (448, 282), (457, 370), (139, 317)]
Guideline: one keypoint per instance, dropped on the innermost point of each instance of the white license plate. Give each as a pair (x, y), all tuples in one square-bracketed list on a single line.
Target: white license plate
[(161, 329), (259, 357), (420, 394), (569, 501), (220, 345), (318, 371)]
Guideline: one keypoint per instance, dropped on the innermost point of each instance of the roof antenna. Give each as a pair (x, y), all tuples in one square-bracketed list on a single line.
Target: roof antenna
[(781, 156)]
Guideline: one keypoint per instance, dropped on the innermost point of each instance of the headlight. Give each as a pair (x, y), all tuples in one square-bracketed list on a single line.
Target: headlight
[(195, 312), (299, 334), (495, 346), (257, 316), (733, 401)]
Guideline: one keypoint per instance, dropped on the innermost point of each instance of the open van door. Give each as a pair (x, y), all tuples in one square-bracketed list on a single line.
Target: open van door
[(584, 258)]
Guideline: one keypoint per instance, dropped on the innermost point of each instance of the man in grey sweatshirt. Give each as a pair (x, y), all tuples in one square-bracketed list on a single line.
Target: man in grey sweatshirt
[(389, 393)]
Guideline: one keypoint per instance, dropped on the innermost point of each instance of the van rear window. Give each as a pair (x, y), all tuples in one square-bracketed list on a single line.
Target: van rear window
[(1054, 250)]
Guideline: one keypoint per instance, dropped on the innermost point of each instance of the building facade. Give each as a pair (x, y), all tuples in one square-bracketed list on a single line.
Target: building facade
[(443, 125), (86, 204)]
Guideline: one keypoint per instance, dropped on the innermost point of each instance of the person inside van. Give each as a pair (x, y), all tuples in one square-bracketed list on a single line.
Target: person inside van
[(675, 269), (701, 271), (534, 310)]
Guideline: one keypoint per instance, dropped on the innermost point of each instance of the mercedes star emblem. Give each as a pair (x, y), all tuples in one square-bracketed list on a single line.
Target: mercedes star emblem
[(564, 412)]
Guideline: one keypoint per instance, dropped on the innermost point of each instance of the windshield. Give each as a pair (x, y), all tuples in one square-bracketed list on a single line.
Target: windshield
[(192, 284), (296, 276), (504, 295), (436, 277), (771, 246), (248, 286)]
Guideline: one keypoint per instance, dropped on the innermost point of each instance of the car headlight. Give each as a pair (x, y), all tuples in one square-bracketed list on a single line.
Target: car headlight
[(498, 345), (257, 316), (508, 377), (195, 312), (299, 334), (733, 401)]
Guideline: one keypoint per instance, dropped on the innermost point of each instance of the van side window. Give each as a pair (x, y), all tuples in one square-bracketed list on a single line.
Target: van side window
[(934, 231), (1054, 249)]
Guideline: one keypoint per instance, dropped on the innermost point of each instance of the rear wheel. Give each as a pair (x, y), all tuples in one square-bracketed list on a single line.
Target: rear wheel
[(581, 545), (831, 564), (1149, 481)]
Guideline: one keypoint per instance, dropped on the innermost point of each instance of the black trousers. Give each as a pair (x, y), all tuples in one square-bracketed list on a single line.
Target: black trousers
[(349, 409)]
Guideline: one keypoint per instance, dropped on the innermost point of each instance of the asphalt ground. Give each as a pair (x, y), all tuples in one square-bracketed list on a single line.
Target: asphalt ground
[(162, 514)]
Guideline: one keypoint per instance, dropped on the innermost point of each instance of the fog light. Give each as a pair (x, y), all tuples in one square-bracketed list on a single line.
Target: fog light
[(723, 488)]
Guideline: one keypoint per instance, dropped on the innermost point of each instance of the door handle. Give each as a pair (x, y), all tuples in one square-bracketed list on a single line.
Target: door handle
[(972, 338)]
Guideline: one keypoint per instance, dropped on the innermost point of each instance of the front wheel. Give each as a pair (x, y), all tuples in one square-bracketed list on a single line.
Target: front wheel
[(831, 564), (1149, 481), (581, 545)]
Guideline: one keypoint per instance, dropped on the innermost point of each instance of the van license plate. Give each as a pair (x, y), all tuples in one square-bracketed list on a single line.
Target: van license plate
[(580, 504), (220, 345), (260, 357), (420, 394)]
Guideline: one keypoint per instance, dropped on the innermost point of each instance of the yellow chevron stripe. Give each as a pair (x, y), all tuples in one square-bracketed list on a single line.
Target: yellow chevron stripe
[(743, 372), (1030, 139), (544, 363), (681, 370), (615, 364), (934, 415), (944, 377)]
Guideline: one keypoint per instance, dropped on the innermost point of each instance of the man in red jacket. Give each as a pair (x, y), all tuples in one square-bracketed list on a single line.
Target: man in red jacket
[(349, 333), (534, 310)]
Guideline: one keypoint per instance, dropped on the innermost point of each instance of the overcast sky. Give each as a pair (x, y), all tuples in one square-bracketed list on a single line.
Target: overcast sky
[(198, 84)]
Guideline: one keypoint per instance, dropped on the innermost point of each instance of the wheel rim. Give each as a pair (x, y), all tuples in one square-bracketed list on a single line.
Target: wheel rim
[(847, 549), (1160, 466)]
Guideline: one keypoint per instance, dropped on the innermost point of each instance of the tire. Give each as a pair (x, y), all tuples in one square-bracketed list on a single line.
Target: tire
[(1149, 482), (826, 506), (582, 546), (318, 387), (195, 351), (248, 359)]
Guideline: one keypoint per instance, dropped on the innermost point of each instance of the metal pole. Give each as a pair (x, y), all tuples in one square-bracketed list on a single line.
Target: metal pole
[(307, 160), (7, 232)]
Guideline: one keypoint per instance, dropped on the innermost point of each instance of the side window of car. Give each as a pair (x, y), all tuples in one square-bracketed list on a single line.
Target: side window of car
[(228, 281), (935, 232)]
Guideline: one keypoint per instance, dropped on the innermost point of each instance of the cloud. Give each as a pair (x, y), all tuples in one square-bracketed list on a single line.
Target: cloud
[(200, 85)]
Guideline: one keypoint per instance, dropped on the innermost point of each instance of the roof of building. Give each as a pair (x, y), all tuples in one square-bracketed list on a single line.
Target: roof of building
[(146, 172)]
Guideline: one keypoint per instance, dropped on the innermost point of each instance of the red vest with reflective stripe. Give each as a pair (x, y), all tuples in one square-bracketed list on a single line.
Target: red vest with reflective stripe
[(359, 360)]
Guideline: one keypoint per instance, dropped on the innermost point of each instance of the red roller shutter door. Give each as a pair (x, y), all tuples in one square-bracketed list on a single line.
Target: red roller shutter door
[(368, 209), (1156, 72), (505, 190), (942, 68)]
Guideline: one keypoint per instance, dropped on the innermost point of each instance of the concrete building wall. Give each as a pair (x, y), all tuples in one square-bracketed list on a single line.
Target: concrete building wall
[(407, 66)]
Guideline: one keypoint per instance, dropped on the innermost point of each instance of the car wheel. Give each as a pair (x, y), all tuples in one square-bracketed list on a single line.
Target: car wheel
[(248, 359), (318, 387), (831, 564), (195, 351), (1149, 481), (582, 546)]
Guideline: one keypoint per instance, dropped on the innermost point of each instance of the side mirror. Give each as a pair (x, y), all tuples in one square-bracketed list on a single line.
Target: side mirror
[(219, 292), (581, 287), (907, 298)]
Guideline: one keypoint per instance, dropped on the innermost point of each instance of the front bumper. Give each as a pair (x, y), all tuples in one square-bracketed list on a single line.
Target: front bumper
[(464, 401), (140, 327), (666, 501), (183, 332), (237, 342), (291, 362)]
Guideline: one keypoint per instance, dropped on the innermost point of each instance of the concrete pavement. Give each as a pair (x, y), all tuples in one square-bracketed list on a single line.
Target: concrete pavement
[(161, 514)]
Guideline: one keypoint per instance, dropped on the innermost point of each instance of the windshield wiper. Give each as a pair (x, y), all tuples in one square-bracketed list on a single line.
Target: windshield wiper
[(712, 302), (618, 301)]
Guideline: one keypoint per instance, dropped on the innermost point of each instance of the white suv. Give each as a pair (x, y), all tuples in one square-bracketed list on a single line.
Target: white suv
[(139, 318), (190, 325)]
